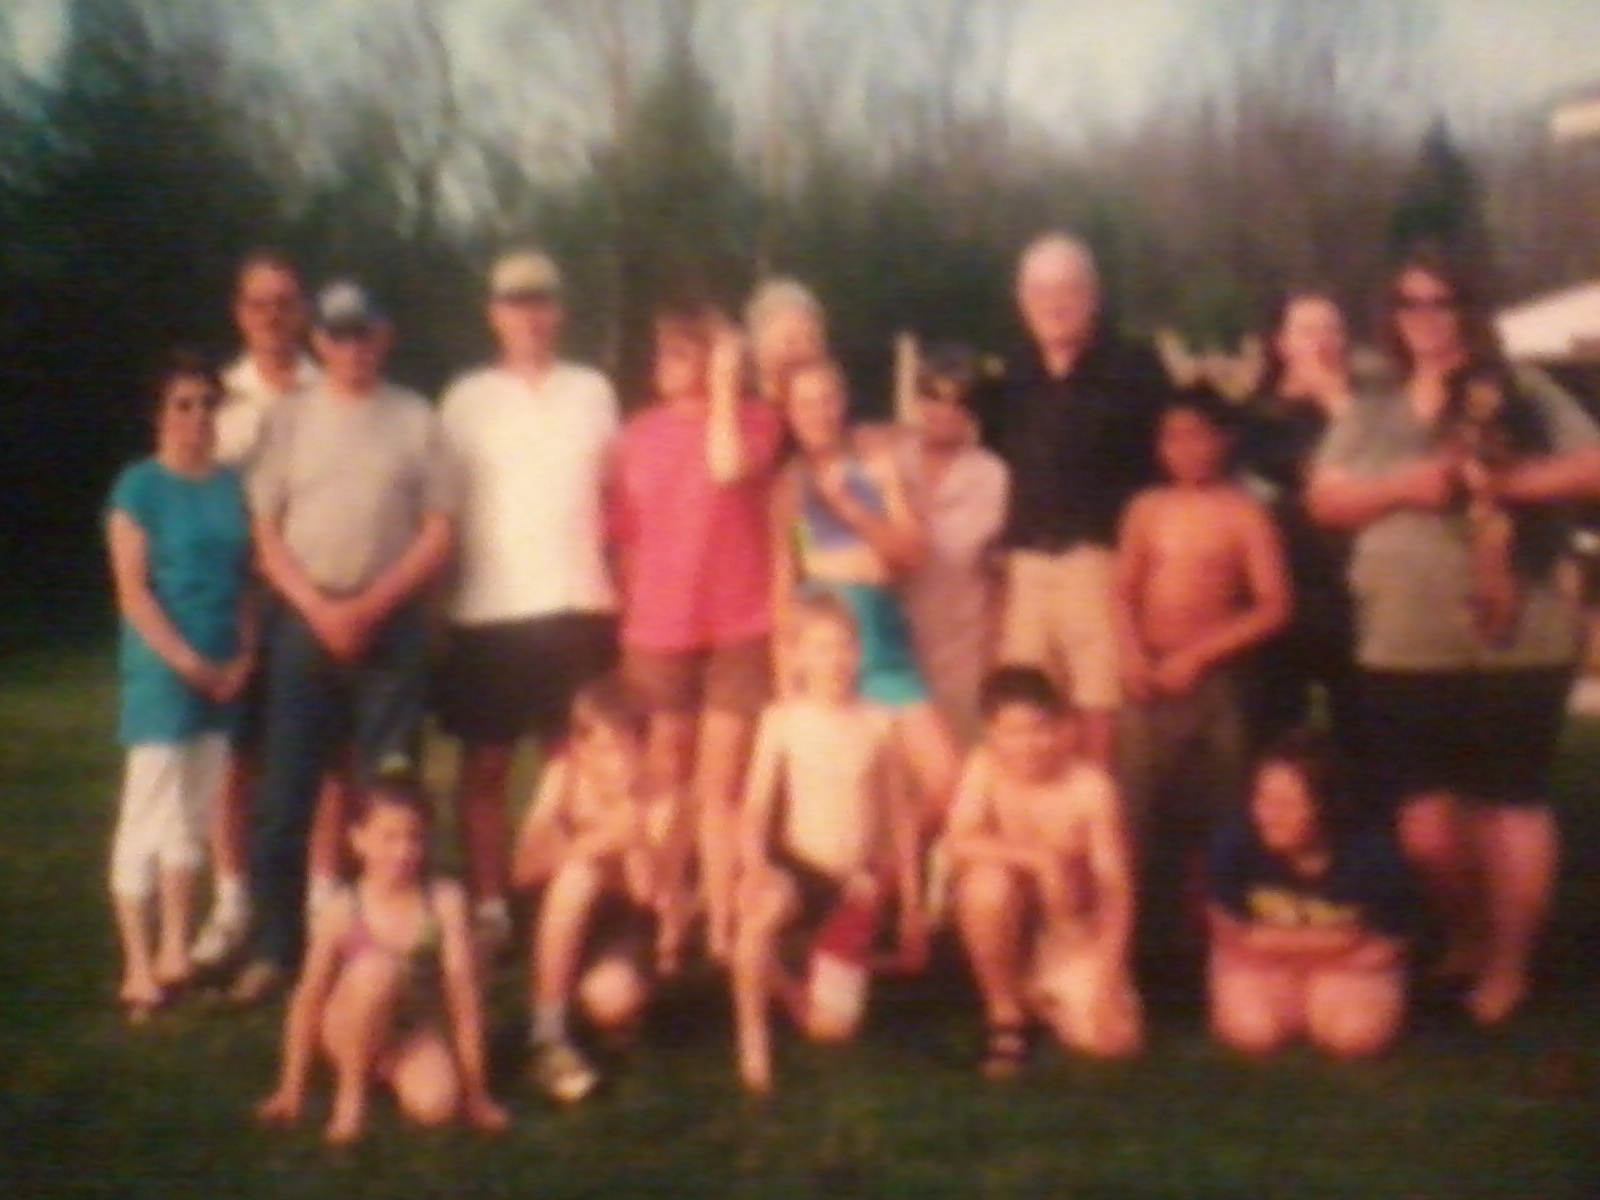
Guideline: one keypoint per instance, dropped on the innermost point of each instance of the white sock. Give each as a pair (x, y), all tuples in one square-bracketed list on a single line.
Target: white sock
[(549, 1023)]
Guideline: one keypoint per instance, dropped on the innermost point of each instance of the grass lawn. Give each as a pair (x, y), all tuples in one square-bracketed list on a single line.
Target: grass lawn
[(89, 1108)]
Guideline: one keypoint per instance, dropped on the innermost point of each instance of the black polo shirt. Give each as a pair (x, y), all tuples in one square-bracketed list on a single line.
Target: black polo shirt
[(1079, 446)]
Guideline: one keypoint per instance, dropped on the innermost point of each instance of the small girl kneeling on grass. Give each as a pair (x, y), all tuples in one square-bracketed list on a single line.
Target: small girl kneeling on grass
[(389, 989)]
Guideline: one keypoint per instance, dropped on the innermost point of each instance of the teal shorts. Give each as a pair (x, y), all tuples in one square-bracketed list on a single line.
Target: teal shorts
[(889, 672)]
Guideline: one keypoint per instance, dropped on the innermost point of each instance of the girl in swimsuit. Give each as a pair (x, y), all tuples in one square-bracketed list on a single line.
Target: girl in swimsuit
[(843, 525), (389, 989)]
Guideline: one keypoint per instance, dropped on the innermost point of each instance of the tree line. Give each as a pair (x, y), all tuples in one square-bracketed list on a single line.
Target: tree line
[(880, 159)]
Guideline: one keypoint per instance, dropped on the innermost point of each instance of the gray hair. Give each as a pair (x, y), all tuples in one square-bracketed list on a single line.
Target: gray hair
[(775, 295)]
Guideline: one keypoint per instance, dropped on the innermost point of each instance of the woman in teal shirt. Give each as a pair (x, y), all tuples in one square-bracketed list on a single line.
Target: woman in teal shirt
[(179, 538)]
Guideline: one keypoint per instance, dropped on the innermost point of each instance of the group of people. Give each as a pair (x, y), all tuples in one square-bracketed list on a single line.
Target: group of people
[(1139, 690)]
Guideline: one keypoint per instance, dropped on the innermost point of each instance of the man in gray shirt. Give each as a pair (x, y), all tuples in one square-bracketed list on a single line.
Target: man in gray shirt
[(353, 503)]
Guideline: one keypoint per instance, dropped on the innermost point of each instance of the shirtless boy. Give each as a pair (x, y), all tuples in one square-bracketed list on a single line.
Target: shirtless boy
[(827, 824), (1200, 579), (589, 847), (1043, 890)]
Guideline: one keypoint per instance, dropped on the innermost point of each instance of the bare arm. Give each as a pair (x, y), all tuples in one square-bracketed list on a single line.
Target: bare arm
[(727, 456), (464, 997), (302, 1025), (136, 601), (1110, 859), (970, 835), (1340, 500), (785, 575), (1551, 479), (1132, 563), (424, 558), (897, 536), (282, 570), (1312, 942)]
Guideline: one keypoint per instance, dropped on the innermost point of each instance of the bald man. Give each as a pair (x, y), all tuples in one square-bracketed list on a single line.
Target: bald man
[(1074, 419)]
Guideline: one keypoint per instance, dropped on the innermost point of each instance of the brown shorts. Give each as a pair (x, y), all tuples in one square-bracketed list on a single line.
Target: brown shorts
[(735, 678)]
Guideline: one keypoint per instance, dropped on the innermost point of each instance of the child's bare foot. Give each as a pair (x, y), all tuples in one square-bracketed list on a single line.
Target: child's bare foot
[(1496, 996), (174, 969), (346, 1121), (486, 1116), (756, 1077), (140, 996)]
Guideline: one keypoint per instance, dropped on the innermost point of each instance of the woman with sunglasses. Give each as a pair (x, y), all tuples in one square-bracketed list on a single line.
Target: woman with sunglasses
[(179, 540), (1455, 485)]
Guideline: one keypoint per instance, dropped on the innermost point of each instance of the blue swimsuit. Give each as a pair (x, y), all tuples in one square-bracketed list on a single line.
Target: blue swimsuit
[(889, 672)]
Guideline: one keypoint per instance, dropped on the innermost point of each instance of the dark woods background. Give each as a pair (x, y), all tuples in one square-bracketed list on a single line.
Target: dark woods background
[(882, 163)]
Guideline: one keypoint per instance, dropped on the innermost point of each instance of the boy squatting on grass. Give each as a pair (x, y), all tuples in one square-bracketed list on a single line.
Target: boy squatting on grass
[(827, 830), (1200, 579), (590, 845), (389, 991), (1043, 886)]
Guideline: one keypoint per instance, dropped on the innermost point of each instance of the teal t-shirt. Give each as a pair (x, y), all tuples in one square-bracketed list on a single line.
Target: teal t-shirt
[(197, 534)]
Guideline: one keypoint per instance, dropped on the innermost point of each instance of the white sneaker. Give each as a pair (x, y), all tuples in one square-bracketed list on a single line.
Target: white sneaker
[(562, 1072), (220, 939)]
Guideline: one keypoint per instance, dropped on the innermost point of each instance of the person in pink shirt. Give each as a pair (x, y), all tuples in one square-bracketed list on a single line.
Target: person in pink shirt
[(690, 499)]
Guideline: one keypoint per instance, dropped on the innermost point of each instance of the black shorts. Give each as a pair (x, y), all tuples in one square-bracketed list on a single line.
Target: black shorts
[(503, 681), (620, 927), (818, 892), (1485, 736)]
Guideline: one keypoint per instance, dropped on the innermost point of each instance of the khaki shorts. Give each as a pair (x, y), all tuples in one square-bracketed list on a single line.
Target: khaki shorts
[(736, 678), (1058, 618)]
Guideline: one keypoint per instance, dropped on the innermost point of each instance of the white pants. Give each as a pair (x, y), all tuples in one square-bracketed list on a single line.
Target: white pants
[(167, 795)]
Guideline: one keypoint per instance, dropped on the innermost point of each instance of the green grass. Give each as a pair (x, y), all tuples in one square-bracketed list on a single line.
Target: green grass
[(89, 1108)]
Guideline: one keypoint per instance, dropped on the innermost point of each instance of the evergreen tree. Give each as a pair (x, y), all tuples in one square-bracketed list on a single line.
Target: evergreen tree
[(1441, 205)]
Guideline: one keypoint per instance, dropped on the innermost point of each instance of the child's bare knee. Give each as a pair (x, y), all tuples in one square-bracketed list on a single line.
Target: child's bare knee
[(1353, 1037), (1255, 1036), (428, 1093), (612, 993)]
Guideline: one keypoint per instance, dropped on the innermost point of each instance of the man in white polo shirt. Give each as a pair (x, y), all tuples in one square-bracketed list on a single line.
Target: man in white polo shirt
[(533, 610), (269, 311)]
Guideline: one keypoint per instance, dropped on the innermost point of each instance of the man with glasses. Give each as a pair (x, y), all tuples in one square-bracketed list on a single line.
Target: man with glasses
[(269, 311), (353, 504), (533, 609)]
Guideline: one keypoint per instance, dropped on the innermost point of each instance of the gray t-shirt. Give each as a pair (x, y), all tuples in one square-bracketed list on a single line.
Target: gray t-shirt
[(1411, 576), (349, 480)]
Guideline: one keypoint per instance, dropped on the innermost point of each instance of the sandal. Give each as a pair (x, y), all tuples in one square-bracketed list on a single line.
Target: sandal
[(1004, 1052)]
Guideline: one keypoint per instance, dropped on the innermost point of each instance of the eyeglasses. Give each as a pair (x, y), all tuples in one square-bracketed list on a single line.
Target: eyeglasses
[(1425, 303)]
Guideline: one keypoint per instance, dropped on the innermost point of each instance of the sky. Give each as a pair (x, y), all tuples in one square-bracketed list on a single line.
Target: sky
[(1110, 59)]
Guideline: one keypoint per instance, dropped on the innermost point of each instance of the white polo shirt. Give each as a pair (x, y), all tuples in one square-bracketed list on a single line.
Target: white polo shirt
[(530, 461), (246, 399)]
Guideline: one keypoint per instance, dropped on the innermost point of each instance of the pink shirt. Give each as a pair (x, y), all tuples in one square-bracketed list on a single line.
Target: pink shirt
[(698, 556)]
